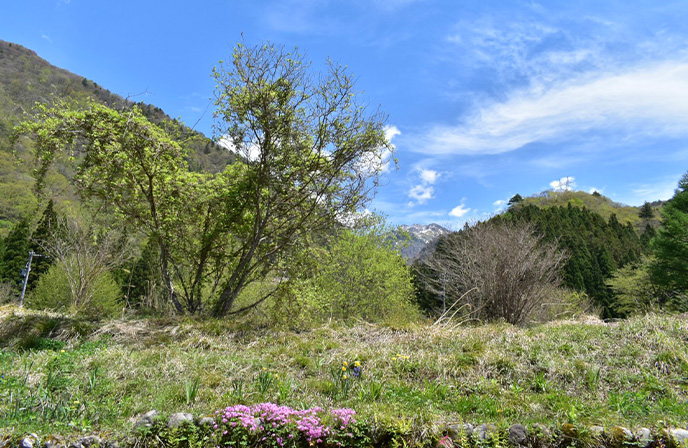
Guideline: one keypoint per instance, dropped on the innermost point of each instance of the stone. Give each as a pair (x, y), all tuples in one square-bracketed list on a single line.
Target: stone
[(483, 432), (460, 431), (620, 435), (541, 431), (89, 441), (178, 419), (53, 442), (596, 431), (679, 436), (206, 420), (569, 430), (643, 436), (28, 441), (517, 434), (146, 421)]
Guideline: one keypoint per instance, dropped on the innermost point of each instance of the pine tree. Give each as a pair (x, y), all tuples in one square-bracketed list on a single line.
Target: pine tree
[(646, 211), (16, 253), (45, 231), (670, 246)]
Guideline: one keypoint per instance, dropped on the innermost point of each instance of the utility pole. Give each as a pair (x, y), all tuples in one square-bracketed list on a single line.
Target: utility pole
[(25, 274)]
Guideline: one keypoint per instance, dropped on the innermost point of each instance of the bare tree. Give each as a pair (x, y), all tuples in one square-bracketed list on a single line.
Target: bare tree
[(493, 271), (84, 252)]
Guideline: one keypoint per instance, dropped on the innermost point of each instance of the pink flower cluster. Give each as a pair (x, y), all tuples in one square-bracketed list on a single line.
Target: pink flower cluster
[(345, 416), (268, 420)]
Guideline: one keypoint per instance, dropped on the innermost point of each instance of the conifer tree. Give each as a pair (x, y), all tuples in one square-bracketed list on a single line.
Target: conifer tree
[(16, 253)]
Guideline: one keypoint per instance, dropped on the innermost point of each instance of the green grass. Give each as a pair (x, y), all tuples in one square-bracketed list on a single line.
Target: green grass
[(61, 375)]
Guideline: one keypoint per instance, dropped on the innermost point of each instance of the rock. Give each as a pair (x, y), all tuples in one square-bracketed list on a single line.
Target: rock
[(53, 442), (517, 434), (483, 432), (147, 420), (179, 418), (111, 444), (620, 435), (679, 436), (459, 432), (569, 430), (206, 420), (596, 431), (76, 444), (28, 441), (643, 436), (541, 431), (89, 441)]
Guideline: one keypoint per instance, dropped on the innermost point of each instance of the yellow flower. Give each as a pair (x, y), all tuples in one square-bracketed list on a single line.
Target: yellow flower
[(357, 364), (345, 377), (264, 369), (394, 358), (345, 363), (343, 369), (62, 351)]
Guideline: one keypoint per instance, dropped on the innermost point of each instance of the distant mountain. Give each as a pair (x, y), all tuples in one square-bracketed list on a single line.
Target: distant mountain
[(26, 79), (422, 237)]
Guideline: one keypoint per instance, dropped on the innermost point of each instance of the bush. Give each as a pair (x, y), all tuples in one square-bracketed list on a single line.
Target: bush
[(359, 276), (101, 297), (491, 272)]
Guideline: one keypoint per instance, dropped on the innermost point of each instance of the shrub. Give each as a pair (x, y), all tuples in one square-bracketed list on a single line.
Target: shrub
[(492, 271), (359, 276), (100, 297)]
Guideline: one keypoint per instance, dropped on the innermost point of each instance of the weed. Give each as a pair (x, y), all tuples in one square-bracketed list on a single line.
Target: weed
[(265, 381), (191, 389)]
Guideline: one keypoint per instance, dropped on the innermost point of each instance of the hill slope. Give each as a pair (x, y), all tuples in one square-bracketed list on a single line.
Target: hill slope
[(594, 202), (25, 79), (582, 372)]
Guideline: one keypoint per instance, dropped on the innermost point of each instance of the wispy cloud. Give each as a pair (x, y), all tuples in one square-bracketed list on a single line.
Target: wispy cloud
[(46, 37), (643, 101)]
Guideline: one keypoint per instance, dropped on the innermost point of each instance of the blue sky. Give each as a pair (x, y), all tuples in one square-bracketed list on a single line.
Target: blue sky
[(486, 99)]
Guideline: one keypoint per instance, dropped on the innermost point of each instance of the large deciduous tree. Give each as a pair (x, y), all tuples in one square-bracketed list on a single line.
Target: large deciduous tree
[(312, 156), (312, 152), (134, 168)]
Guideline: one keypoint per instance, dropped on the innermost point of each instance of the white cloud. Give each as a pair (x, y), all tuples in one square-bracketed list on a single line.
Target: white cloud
[(644, 101), (422, 193), (429, 176), (250, 151), (459, 211), (567, 183), (46, 37)]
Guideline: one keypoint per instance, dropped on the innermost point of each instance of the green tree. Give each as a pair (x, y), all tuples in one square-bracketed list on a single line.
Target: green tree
[(312, 153), (132, 166), (515, 199), (646, 211), (16, 253), (670, 245), (358, 276), (41, 237)]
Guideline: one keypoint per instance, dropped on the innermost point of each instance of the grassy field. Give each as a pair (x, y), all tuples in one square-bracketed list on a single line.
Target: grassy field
[(65, 376)]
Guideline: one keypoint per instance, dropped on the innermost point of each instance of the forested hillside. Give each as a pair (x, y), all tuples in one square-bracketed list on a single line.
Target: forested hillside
[(594, 246), (26, 79)]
